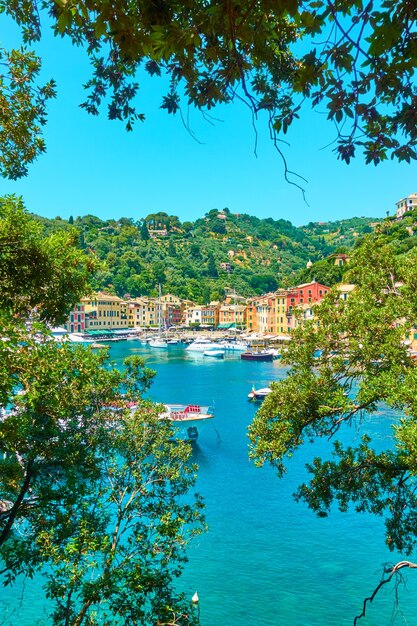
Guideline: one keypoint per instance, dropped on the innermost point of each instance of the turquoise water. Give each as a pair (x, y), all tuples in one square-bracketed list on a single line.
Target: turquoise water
[(265, 559)]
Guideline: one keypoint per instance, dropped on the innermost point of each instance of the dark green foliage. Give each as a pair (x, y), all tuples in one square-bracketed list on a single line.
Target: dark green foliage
[(94, 492), (211, 267), (187, 260), (217, 52), (218, 227), (144, 232), (48, 274), (324, 272), (263, 283), (344, 364), (22, 111)]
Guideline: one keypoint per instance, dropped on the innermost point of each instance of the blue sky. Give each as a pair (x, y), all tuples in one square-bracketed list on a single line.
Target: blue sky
[(93, 166)]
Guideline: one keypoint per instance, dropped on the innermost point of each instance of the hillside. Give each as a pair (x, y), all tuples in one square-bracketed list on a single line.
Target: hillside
[(199, 260), (401, 234)]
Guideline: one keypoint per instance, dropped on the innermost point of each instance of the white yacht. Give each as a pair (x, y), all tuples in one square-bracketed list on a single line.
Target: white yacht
[(214, 352), (236, 346), (202, 344), (259, 394)]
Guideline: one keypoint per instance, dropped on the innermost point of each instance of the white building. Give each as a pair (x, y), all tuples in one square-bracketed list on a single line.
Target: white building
[(193, 315), (406, 204)]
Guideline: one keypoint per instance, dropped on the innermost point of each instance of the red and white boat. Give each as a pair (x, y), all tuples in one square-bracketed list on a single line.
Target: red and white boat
[(187, 418)]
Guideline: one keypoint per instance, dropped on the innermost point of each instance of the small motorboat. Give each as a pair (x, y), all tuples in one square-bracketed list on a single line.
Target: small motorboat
[(217, 354), (259, 394), (262, 355)]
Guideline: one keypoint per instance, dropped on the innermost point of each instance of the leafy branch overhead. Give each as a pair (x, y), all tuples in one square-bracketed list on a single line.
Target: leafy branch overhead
[(354, 59), (347, 362)]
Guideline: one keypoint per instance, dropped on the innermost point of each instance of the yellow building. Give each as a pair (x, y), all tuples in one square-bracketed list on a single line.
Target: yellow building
[(103, 311), (147, 312), (279, 309), (345, 290), (169, 298), (267, 314)]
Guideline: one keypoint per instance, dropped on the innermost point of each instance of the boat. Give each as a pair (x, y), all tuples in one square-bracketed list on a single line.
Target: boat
[(262, 355), (187, 418), (98, 346), (236, 346), (259, 394), (157, 342), (202, 344), (218, 354)]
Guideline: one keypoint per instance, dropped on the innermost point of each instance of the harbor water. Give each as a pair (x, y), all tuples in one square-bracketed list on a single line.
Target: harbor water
[(265, 560)]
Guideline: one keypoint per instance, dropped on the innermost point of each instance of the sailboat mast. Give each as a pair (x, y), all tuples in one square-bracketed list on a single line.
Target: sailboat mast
[(159, 309), (234, 297)]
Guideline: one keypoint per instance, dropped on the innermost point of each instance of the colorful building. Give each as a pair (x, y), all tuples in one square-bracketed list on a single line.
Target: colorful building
[(308, 293), (210, 316), (345, 290), (406, 204), (193, 316), (149, 313), (232, 315), (104, 311), (76, 319)]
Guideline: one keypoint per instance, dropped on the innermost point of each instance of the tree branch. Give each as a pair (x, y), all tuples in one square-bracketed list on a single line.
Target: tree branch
[(391, 571), (16, 506)]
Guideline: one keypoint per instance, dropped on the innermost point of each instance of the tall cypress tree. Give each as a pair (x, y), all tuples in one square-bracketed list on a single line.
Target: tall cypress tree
[(144, 232)]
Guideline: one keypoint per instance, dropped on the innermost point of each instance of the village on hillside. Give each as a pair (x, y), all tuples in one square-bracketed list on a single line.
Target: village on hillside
[(273, 315)]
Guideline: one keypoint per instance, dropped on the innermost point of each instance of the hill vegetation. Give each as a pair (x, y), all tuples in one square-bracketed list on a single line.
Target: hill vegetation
[(199, 260)]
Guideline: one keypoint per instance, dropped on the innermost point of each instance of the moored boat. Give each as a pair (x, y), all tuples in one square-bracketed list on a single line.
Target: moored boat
[(187, 418), (157, 342), (262, 355), (259, 394), (202, 344), (217, 354), (235, 346)]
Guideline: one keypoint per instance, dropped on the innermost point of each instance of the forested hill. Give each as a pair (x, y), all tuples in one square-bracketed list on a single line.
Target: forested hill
[(190, 259)]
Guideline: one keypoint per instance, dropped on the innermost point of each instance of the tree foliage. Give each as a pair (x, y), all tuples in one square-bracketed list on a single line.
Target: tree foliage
[(356, 59), (94, 493), (23, 111), (37, 273), (347, 361), (263, 253)]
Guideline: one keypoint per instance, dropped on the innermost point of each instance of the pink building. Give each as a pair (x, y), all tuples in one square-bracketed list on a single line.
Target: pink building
[(302, 295), (76, 320)]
